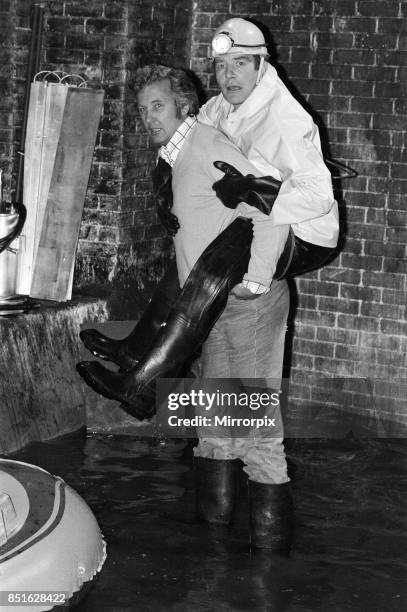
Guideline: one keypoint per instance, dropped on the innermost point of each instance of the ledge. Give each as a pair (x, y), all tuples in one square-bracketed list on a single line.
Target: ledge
[(41, 395)]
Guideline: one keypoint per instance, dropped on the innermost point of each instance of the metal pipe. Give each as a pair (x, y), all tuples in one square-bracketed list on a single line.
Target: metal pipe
[(32, 69)]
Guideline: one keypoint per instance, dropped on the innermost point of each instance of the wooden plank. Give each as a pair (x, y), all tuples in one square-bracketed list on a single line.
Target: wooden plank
[(62, 218), (47, 102), (54, 110), (32, 174)]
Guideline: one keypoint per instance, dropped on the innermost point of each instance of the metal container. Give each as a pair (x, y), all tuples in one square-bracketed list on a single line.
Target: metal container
[(9, 258)]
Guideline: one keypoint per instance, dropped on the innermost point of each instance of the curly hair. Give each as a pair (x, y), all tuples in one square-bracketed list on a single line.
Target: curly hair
[(182, 85)]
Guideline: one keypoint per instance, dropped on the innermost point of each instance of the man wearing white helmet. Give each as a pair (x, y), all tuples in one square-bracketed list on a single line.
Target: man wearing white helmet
[(258, 113)]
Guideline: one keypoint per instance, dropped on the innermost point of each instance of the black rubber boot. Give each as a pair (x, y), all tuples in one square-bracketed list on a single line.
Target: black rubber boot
[(127, 352), (271, 516), (201, 302), (217, 487)]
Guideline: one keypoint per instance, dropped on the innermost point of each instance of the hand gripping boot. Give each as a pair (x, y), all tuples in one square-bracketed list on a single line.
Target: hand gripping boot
[(201, 302)]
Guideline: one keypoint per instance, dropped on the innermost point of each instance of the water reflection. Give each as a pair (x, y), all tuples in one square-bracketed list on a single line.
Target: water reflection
[(350, 544)]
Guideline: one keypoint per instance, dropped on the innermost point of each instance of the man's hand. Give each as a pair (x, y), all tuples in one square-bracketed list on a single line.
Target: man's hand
[(231, 188), (234, 188), (168, 219), (242, 293), (162, 190)]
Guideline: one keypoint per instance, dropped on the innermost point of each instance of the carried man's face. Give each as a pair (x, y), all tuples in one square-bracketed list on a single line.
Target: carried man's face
[(158, 111), (236, 76)]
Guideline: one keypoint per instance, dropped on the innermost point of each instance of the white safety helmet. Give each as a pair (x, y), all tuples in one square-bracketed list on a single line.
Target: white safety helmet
[(238, 36)]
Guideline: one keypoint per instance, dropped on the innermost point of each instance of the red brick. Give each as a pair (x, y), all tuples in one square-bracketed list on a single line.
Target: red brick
[(308, 347), (355, 215), (305, 362), (366, 294), (319, 86), (329, 71), (376, 41), (391, 358), (352, 88), (335, 335), (400, 155), (353, 353), (306, 331), (378, 185), (397, 187), (210, 6), (314, 317), (371, 9), (372, 232), (307, 301), (327, 103), (320, 56), (391, 343), (374, 73), (398, 171), (365, 323), (371, 105), (343, 367), (394, 297), (338, 135), (396, 234), (354, 57), (396, 26), (376, 216), (387, 311), (381, 279), (397, 218), (298, 391), (315, 287), (333, 40), (294, 7), (114, 10), (5, 6), (315, 23), (350, 120), (394, 265), (247, 7), (341, 275), (391, 58), (355, 246), (105, 26), (70, 57), (338, 305)]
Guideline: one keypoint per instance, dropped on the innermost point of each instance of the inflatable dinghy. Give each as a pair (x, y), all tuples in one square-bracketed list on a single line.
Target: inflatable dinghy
[(51, 547)]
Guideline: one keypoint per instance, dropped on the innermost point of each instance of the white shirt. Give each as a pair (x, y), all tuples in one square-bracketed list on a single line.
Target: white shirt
[(169, 152)]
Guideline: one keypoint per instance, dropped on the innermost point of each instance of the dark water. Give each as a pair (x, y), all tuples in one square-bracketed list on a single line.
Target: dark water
[(350, 545)]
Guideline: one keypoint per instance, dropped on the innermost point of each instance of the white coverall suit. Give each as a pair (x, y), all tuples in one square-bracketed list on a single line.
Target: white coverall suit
[(280, 139)]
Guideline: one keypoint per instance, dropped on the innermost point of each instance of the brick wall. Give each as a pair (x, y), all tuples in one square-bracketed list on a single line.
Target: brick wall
[(345, 59), (9, 42)]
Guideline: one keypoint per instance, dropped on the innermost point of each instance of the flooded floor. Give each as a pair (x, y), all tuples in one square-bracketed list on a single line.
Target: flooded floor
[(350, 544)]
